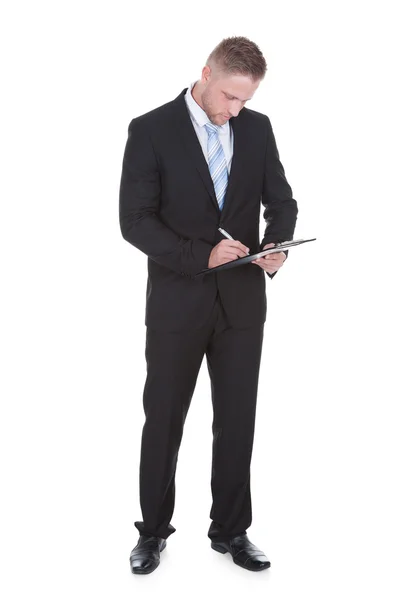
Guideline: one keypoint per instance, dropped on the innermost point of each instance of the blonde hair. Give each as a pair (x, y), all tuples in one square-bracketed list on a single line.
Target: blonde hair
[(238, 56)]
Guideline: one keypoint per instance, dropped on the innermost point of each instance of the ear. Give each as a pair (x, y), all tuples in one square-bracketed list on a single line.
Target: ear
[(206, 74)]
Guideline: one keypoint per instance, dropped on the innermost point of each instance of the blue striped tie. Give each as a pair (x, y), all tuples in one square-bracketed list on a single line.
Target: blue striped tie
[(217, 163)]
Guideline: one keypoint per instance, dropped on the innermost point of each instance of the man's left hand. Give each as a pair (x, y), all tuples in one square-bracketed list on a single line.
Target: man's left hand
[(271, 262)]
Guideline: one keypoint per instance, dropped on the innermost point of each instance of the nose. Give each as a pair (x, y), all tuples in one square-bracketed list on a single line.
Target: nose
[(235, 109)]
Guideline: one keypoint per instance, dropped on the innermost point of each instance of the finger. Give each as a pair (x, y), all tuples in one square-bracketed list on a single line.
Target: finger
[(267, 269), (236, 244), (274, 264), (272, 260), (233, 254), (272, 256)]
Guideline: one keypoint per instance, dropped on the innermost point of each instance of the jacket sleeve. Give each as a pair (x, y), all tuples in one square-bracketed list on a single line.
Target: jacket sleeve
[(139, 202), (281, 210)]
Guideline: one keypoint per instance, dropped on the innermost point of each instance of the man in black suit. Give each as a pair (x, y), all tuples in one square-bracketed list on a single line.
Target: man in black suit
[(196, 164)]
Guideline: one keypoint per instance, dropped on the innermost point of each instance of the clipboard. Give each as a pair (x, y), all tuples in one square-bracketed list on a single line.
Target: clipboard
[(248, 259)]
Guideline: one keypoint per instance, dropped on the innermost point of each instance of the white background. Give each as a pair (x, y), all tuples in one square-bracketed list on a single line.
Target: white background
[(325, 462)]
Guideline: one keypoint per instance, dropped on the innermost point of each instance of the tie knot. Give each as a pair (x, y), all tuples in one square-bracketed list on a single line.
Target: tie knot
[(211, 129)]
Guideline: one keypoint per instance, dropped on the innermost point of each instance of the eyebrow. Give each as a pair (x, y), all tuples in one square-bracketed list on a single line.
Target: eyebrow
[(227, 94)]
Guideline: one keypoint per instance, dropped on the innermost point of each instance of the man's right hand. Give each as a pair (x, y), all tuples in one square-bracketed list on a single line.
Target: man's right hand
[(226, 251)]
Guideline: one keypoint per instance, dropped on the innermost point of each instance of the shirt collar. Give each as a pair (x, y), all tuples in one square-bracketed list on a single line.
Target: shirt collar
[(198, 113)]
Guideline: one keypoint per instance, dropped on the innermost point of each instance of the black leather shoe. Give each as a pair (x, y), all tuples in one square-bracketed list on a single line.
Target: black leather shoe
[(244, 553), (145, 557)]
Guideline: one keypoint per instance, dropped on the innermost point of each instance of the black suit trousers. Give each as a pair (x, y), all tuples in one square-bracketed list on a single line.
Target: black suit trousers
[(173, 363)]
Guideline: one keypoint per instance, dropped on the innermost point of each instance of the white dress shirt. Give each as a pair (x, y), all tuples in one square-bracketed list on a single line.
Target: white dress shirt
[(199, 119)]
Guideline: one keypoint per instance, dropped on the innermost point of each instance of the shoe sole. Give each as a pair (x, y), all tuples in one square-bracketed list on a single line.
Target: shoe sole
[(163, 545), (223, 550)]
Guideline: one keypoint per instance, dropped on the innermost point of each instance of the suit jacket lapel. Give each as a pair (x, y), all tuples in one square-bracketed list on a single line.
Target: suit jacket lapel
[(186, 130)]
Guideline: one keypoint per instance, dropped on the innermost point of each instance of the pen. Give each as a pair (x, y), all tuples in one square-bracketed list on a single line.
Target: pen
[(225, 233)]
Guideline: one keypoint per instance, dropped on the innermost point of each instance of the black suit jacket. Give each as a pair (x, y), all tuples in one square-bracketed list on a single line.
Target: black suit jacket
[(169, 211)]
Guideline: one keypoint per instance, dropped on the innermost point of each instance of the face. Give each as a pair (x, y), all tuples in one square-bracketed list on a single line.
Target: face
[(224, 96)]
